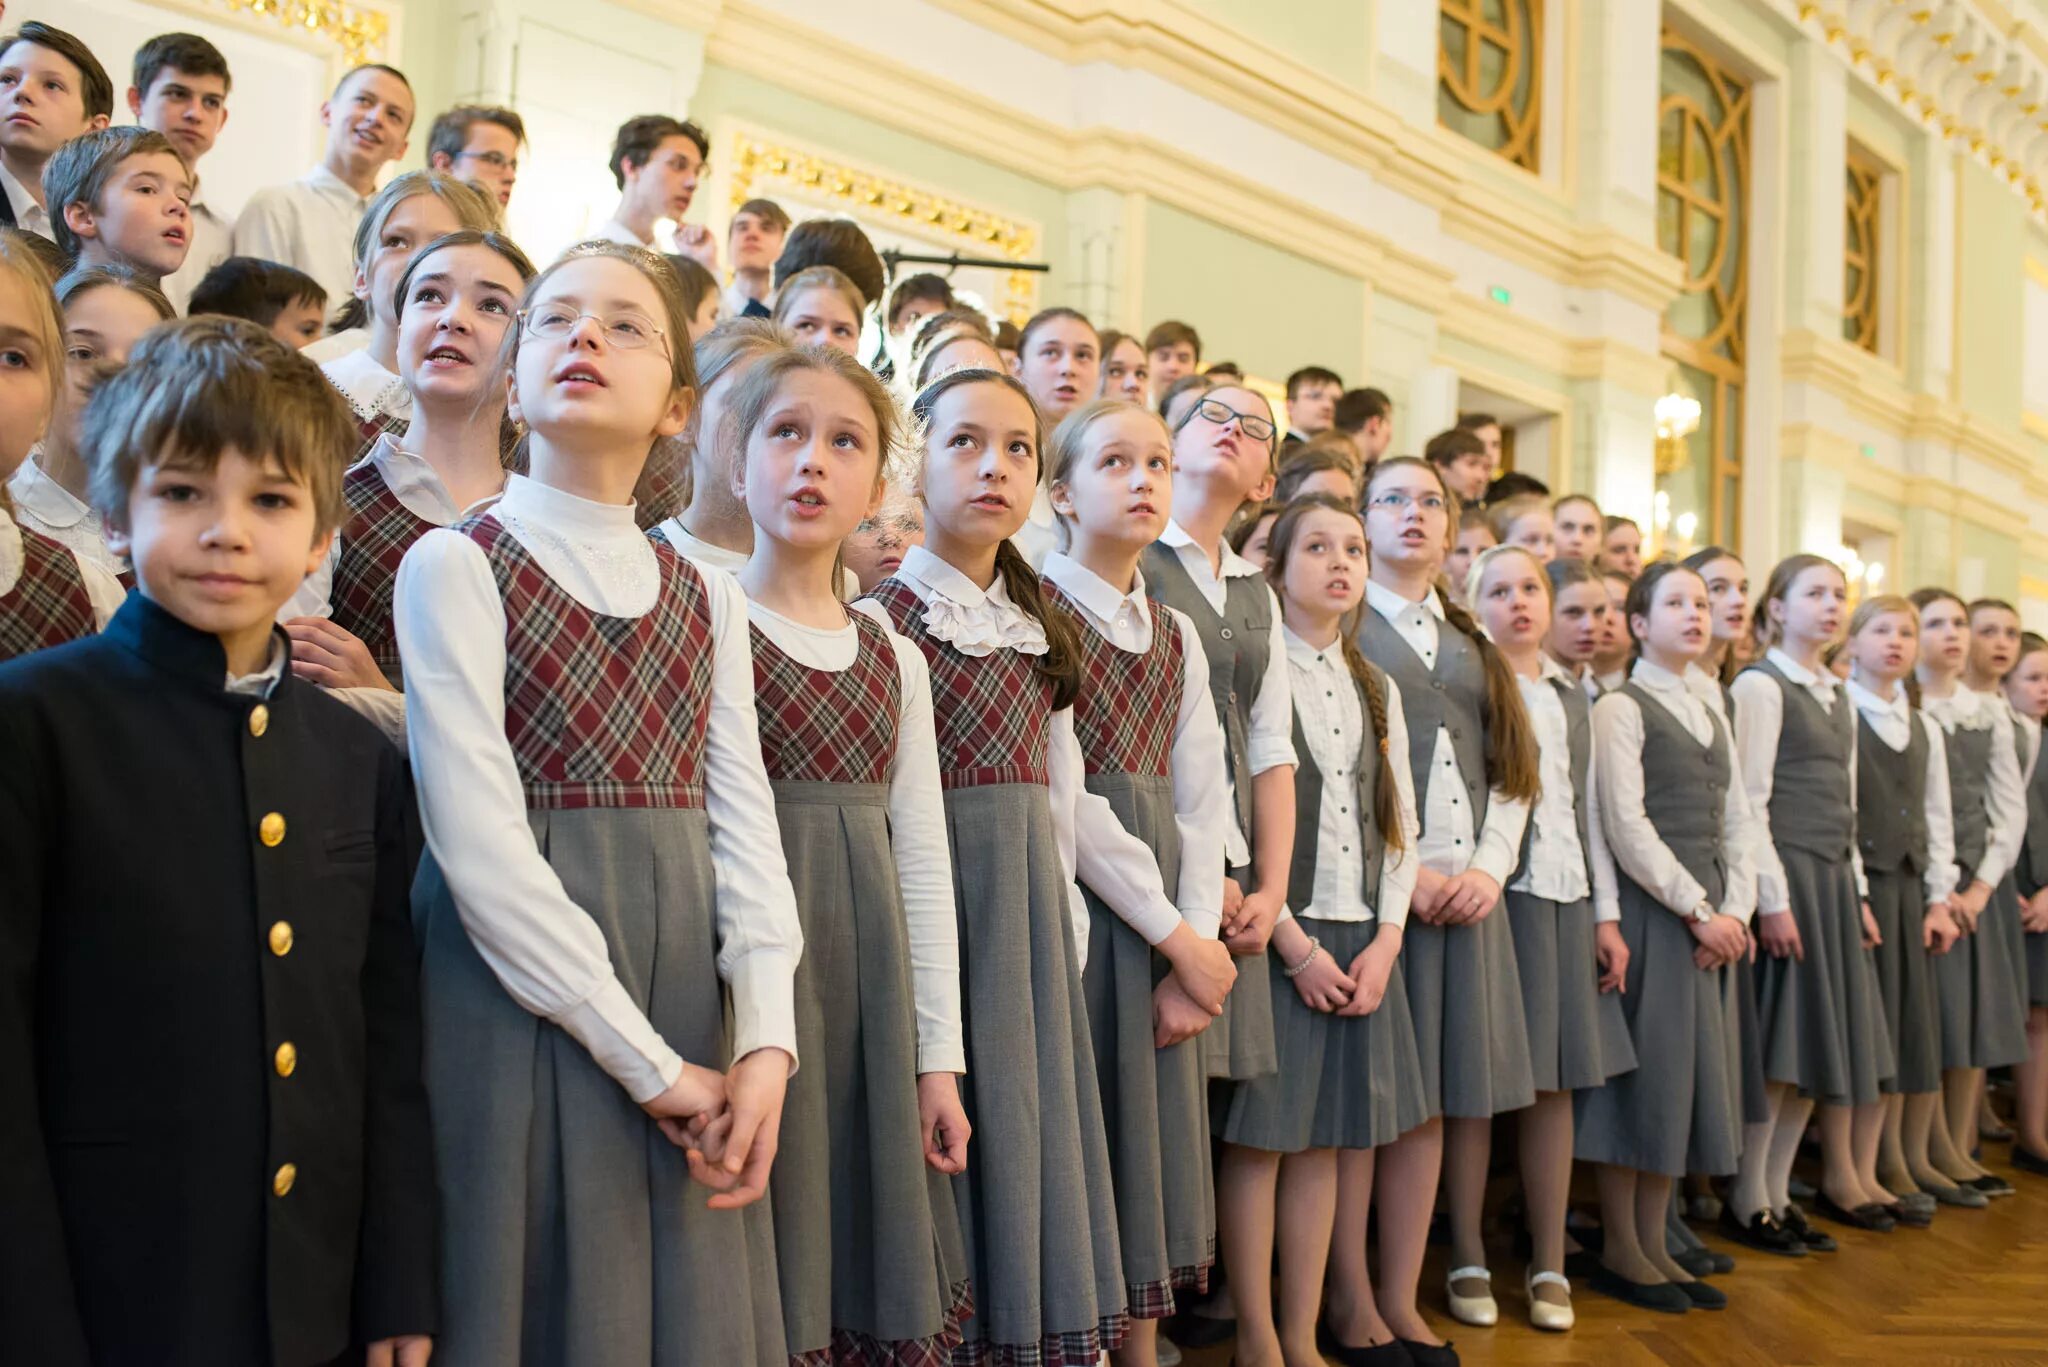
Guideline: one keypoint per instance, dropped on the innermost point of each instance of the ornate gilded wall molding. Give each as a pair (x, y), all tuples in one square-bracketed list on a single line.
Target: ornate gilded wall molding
[(1490, 75), (360, 33)]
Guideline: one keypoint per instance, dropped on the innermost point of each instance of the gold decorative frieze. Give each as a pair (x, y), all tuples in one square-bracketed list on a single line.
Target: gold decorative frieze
[(359, 32)]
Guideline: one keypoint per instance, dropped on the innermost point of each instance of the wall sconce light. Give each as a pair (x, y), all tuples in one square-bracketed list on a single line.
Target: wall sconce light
[(1678, 417)]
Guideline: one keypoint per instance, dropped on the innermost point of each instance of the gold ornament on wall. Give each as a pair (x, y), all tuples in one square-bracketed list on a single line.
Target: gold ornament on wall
[(974, 231), (1489, 69), (358, 31)]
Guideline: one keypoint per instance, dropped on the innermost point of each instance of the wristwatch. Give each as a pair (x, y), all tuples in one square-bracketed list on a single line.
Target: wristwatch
[(1702, 913)]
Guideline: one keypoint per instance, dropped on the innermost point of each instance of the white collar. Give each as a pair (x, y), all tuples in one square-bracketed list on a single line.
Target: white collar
[(1550, 671), (974, 621), (1233, 565), (327, 183), (52, 504), (942, 579), (565, 514), (700, 551), (417, 485), (1799, 673), (1304, 655), (18, 197), (1390, 605), (369, 388), (1090, 589), (1658, 678), (265, 679), (12, 557), (1868, 703)]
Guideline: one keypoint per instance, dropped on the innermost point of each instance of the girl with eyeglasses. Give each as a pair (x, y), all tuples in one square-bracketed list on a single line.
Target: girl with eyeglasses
[(604, 886), (455, 306), (1473, 757)]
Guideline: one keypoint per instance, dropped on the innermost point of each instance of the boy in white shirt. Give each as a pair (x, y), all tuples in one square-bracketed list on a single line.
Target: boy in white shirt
[(181, 91), (52, 89)]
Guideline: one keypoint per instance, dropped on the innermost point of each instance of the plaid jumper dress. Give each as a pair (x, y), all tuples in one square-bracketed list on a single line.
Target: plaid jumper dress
[(374, 537), (1154, 1101), (572, 1234), (1037, 1208), (48, 605), (867, 1241)]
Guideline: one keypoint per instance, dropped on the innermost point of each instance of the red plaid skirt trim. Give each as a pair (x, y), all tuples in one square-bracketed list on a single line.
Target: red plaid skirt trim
[(560, 797), (1081, 1348), (990, 777), (1155, 1300), (858, 1350)]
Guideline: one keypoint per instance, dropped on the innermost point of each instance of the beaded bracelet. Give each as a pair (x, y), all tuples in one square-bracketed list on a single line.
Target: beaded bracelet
[(1315, 947)]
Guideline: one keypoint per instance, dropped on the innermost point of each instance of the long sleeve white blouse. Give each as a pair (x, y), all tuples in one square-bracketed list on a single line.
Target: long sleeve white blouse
[(1759, 723), (1891, 721), (546, 950), (1558, 869), (1638, 850), (2005, 799), (917, 829), (1201, 805)]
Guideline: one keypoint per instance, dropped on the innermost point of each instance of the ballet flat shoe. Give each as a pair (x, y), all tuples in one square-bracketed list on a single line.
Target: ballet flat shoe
[(1870, 1217), (1816, 1240), (1704, 1262), (1481, 1311), (1548, 1314), (1908, 1217), (1662, 1297), (1389, 1354), (1918, 1200), (1430, 1354), (1991, 1184), (2026, 1160), (1704, 1297), (1762, 1232), (1191, 1330), (1963, 1198)]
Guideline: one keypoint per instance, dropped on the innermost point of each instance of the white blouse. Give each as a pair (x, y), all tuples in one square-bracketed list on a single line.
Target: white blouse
[(371, 390), (917, 829), (1637, 849), (43, 505), (101, 587), (1269, 733), (2005, 799), (546, 950), (1558, 869), (1450, 844), (1891, 721), (1759, 722), (703, 554), (1333, 727), (1201, 805)]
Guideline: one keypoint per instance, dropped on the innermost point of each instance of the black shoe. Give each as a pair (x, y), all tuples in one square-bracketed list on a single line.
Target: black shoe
[(1761, 1232), (1390, 1354), (1581, 1263), (1190, 1330), (1911, 1217), (1871, 1217), (1659, 1296), (1991, 1184), (1697, 1261), (1704, 1297), (1815, 1240), (2026, 1160), (1428, 1354)]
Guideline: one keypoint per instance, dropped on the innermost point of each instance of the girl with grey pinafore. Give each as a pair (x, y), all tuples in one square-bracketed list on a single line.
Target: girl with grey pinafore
[(1247, 684), (2032, 869)]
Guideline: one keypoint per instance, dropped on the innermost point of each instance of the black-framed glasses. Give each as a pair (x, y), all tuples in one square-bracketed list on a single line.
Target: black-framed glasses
[(1220, 413), (626, 331)]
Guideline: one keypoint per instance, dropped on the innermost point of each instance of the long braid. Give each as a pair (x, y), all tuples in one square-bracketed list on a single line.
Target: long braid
[(1386, 794), (1060, 666), (1511, 764)]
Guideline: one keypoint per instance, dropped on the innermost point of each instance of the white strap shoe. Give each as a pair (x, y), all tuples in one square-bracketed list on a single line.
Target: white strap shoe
[(1548, 1314), (1481, 1310)]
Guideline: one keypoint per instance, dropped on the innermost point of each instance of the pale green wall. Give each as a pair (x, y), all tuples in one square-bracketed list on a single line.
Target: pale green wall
[(1268, 310), (1991, 222), (1333, 36)]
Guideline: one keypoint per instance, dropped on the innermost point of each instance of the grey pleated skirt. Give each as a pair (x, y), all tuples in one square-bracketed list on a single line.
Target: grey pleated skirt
[(1238, 1045), (1155, 1104), (1981, 988), (1905, 981), (1344, 1082), (571, 1233), (1679, 1111), (1465, 997), (1823, 1017), (1746, 1031), (1577, 1037), (1037, 1206), (867, 1241)]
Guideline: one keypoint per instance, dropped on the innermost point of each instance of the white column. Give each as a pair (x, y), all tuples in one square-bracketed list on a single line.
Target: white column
[(1817, 131)]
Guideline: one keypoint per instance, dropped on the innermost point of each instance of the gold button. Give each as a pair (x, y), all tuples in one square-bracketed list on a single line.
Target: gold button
[(270, 830), (281, 938), (286, 1175), (259, 720), (287, 1059)]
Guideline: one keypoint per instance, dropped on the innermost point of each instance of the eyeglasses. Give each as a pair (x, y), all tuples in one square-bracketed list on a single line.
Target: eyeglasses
[(1398, 502), (1219, 412), (626, 331), (497, 161)]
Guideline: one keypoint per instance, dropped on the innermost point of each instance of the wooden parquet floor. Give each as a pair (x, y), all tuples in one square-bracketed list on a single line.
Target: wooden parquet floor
[(1972, 1289)]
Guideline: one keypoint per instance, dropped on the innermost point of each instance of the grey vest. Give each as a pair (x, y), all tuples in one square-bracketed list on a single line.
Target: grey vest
[(2033, 868), (1969, 783), (1238, 644), (1578, 729), (1891, 801), (1453, 696), (1811, 802), (1308, 808), (1685, 790)]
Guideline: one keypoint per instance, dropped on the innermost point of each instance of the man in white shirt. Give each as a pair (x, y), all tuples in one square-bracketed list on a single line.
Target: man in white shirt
[(181, 91), (311, 222), (658, 161), (52, 89)]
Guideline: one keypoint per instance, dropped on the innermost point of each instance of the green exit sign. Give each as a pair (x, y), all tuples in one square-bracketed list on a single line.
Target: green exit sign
[(1499, 294)]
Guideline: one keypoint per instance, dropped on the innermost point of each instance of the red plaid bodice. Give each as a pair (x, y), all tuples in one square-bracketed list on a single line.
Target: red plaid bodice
[(829, 726), (48, 605), (375, 536), (1129, 703), (602, 711), (991, 712)]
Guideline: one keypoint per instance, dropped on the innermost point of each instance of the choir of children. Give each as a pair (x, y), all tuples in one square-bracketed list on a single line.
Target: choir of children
[(790, 980)]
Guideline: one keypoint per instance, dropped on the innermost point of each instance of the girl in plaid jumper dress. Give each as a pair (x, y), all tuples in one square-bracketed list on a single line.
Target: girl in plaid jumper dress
[(609, 937), (454, 304), (1153, 751), (866, 1236), (48, 595), (1037, 1208)]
